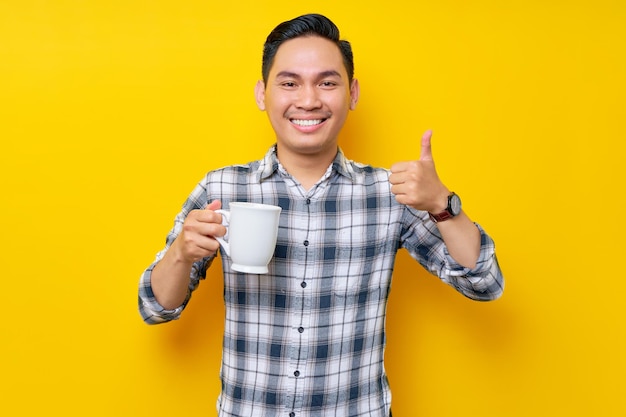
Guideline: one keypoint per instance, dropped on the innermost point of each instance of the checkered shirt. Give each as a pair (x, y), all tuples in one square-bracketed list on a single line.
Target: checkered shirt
[(308, 338)]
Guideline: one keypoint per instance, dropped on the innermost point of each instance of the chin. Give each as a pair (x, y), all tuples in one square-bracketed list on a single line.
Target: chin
[(309, 147)]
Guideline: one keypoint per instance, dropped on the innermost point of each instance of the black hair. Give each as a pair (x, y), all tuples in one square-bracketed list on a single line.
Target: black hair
[(305, 25)]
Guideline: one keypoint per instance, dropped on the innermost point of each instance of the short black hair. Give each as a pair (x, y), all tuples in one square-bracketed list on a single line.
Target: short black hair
[(305, 25)]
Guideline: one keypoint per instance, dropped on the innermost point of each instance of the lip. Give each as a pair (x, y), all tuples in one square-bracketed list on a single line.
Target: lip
[(308, 124)]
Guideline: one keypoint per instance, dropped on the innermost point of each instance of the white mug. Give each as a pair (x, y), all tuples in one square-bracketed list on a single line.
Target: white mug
[(251, 233)]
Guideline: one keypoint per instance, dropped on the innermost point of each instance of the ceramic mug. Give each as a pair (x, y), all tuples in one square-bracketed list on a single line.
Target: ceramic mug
[(251, 233)]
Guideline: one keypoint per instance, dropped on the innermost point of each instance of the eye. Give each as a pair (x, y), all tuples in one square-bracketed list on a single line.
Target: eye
[(328, 84), (288, 84)]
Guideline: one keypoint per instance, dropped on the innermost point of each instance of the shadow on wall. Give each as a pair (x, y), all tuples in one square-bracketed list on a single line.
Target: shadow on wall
[(198, 333), (429, 325)]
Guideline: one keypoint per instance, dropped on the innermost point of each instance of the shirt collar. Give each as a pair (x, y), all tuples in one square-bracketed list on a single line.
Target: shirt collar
[(270, 164)]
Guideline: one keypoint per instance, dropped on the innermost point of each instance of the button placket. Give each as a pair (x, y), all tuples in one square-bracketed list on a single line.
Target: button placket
[(306, 233)]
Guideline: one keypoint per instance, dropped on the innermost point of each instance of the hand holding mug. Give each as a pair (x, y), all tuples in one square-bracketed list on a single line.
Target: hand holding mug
[(197, 238)]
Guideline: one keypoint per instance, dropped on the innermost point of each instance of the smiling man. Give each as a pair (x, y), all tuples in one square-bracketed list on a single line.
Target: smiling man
[(307, 95), (307, 339)]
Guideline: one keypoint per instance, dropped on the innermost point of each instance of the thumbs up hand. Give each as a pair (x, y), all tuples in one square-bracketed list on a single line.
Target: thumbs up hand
[(416, 183)]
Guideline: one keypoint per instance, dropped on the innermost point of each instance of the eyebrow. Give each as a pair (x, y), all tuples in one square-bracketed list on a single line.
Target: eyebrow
[(323, 74)]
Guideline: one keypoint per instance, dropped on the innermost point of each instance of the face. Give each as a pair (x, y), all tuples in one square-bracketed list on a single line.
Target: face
[(307, 96)]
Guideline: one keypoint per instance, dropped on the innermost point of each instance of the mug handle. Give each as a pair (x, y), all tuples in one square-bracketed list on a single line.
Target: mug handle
[(223, 240)]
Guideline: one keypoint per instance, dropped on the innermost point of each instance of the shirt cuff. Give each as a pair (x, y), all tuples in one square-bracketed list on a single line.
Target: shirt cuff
[(487, 250), (151, 311)]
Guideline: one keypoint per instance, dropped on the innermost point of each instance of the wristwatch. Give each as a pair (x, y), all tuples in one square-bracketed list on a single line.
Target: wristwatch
[(453, 209)]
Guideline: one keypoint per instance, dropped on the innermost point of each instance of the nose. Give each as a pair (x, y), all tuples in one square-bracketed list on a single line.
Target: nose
[(308, 98)]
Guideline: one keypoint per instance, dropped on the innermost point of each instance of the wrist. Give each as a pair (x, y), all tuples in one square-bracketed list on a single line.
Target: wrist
[(440, 204), (451, 208), (177, 254)]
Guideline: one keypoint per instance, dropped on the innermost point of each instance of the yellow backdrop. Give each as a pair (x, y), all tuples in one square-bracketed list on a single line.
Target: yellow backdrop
[(112, 110)]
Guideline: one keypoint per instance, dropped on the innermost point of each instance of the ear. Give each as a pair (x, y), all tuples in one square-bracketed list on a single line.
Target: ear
[(354, 94), (259, 94)]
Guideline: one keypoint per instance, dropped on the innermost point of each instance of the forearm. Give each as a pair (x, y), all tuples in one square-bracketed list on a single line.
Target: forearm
[(482, 280), (170, 279), (462, 239)]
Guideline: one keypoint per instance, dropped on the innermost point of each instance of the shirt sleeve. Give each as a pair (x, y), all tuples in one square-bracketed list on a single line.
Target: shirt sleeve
[(154, 313), (149, 308), (422, 239)]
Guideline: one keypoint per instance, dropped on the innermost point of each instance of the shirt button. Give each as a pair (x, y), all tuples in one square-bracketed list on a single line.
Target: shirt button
[(297, 373), (303, 284), (300, 329), (306, 243)]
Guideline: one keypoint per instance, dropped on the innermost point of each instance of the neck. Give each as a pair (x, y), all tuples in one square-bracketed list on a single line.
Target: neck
[(307, 169)]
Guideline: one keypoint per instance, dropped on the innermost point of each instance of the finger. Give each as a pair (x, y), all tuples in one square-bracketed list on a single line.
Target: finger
[(214, 205), (204, 223), (208, 216), (395, 178), (427, 153), (399, 167)]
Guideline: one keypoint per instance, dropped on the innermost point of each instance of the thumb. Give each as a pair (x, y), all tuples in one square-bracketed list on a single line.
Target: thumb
[(214, 205), (426, 153)]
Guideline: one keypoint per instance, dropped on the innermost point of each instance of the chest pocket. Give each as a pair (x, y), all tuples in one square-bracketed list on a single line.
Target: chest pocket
[(362, 268)]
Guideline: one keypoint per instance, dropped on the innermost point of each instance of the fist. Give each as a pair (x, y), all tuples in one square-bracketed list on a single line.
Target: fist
[(197, 238), (416, 183)]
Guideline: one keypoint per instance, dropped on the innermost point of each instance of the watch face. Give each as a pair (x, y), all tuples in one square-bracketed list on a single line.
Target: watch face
[(455, 204)]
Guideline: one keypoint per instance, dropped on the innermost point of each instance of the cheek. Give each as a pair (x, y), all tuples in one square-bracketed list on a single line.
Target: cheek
[(276, 116), (276, 105), (340, 103), (341, 107)]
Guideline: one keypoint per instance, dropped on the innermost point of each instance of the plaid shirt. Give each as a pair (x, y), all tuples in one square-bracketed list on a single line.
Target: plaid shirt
[(308, 338)]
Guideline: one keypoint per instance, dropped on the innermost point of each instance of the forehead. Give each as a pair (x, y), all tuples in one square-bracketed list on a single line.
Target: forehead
[(308, 55)]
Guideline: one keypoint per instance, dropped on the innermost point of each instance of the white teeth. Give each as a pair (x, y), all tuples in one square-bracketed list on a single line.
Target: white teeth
[(306, 122)]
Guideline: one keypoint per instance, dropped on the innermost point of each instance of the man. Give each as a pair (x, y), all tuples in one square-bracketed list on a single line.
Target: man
[(307, 339)]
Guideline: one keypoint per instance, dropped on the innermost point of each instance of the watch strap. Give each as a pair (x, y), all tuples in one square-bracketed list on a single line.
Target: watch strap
[(440, 217), (447, 214)]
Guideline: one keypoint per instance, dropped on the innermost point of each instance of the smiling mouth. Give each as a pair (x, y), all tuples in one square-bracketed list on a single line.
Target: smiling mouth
[(306, 123)]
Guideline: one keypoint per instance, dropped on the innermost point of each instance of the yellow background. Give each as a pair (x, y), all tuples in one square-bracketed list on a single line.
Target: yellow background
[(111, 111)]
